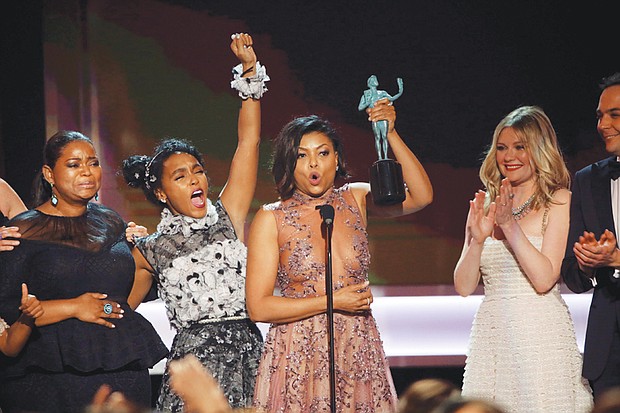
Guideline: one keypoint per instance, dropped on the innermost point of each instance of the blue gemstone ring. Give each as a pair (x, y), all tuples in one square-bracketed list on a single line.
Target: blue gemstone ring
[(107, 308)]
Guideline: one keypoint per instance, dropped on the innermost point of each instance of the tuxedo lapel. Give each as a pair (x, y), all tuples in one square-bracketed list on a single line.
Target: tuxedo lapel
[(601, 195)]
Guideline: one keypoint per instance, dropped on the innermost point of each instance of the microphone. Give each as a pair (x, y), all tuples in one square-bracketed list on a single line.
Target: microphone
[(327, 213)]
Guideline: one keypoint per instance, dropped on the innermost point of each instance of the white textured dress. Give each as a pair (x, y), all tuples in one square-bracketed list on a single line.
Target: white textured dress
[(523, 354)]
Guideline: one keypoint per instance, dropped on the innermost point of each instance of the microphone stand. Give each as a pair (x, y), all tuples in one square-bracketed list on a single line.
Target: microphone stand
[(327, 213)]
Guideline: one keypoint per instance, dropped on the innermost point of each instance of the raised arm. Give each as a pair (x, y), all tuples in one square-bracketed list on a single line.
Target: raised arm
[(263, 259), (419, 191), (478, 228), (400, 90), (239, 190)]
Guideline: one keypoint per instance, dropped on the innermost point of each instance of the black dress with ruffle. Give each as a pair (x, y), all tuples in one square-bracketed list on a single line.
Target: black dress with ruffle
[(63, 258)]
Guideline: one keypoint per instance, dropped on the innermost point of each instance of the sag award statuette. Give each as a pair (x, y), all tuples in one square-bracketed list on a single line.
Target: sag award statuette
[(386, 175)]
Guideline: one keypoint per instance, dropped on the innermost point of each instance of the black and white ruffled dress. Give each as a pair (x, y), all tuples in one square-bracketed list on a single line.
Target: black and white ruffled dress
[(200, 269)]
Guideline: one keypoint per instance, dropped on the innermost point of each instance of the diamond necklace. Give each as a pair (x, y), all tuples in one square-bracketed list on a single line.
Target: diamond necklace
[(523, 210)]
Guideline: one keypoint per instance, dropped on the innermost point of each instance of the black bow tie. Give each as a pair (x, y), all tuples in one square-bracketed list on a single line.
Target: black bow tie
[(613, 169)]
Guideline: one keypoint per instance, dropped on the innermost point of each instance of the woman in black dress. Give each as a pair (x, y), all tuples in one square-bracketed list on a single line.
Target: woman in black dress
[(74, 256)]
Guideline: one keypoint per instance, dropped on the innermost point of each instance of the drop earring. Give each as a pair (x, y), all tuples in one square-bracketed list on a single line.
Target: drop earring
[(53, 199), (97, 196)]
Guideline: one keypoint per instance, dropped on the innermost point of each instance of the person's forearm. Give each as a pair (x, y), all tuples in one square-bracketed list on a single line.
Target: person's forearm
[(17, 337), (414, 175), (55, 311), (277, 310), (467, 270), (537, 267)]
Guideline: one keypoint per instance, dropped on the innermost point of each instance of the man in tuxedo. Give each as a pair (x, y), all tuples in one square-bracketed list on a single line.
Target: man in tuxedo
[(592, 257)]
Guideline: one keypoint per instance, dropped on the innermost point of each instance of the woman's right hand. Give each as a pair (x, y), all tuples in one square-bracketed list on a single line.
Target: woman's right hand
[(9, 232), (353, 298), (89, 307), (479, 224)]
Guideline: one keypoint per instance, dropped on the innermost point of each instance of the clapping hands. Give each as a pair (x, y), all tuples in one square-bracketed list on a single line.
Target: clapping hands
[(479, 223), (592, 253)]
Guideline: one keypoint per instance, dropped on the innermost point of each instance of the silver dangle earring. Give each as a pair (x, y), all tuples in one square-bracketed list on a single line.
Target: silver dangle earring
[(97, 196), (53, 199)]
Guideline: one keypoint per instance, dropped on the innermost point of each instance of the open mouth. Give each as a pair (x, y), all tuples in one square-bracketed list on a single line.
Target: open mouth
[(198, 198), (512, 167), (314, 178)]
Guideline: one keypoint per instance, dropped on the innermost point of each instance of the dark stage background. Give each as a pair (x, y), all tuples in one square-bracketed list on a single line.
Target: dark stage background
[(128, 73)]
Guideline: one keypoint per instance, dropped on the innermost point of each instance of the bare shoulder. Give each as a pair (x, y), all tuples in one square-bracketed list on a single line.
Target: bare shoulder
[(359, 190), (562, 196), (264, 219)]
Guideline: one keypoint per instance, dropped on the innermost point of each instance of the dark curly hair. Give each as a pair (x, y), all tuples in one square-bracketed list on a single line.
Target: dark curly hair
[(144, 172), (286, 145)]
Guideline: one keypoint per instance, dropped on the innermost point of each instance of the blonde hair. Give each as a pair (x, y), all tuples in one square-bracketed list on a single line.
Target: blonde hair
[(425, 395), (535, 130)]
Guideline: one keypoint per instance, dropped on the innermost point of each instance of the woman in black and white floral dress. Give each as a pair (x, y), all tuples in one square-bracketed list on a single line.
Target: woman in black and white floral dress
[(197, 256)]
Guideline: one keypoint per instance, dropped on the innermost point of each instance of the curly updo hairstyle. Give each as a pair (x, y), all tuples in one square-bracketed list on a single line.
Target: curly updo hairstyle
[(144, 172)]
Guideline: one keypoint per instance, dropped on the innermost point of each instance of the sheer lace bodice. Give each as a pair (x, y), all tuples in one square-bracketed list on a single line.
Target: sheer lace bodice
[(293, 374), (302, 245)]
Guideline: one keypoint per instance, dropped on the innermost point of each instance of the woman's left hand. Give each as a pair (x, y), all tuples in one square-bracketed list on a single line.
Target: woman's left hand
[(383, 110), (95, 308)]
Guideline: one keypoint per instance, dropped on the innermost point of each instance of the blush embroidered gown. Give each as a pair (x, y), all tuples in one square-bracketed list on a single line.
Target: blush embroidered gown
[(293, 374)]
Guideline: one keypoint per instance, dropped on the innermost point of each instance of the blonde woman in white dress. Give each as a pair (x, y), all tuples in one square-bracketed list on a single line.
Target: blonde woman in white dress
[(523, 354)]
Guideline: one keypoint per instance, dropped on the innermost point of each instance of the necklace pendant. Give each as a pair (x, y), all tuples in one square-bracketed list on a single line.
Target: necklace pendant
[(522, 210)]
